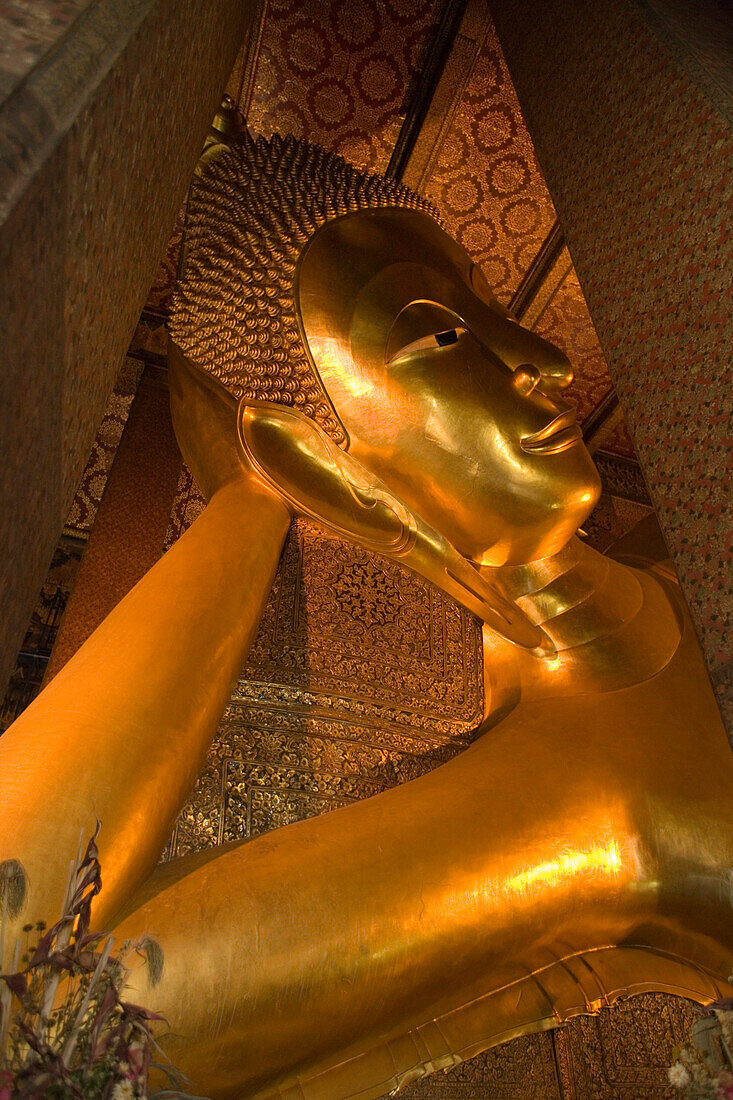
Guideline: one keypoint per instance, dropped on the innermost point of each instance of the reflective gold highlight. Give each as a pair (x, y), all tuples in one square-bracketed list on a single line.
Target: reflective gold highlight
[(561, 871)]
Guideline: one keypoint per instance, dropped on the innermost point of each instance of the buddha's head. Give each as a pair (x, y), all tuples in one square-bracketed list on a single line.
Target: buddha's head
[(339, 295)]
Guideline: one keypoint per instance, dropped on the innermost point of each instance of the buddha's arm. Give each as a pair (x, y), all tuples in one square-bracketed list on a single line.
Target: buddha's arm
[(122, 731), (552, 836)]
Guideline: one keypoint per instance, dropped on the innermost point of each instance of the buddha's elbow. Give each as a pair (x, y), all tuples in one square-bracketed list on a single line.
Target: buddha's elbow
[(681, 890)]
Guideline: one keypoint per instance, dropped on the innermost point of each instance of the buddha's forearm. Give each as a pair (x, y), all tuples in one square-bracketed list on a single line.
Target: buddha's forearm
[(552, 836), (334, 935), (121, 732)]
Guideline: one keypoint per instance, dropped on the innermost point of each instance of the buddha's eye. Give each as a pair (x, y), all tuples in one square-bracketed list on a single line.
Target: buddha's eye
[(426, 343), (450, 336)]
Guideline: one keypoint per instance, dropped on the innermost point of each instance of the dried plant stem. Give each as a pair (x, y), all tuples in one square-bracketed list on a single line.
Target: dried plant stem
[(64, 1028), (62, 942), (6, 999), (72, 1040), (13, 884)]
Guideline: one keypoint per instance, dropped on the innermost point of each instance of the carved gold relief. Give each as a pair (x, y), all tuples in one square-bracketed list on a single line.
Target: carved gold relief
[(622, 1053)]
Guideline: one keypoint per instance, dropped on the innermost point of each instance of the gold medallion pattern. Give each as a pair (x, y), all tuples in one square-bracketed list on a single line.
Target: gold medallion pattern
[(487, 185), (338, 72)]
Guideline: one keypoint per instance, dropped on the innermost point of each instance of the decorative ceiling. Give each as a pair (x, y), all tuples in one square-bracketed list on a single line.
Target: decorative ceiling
[(339, 72)]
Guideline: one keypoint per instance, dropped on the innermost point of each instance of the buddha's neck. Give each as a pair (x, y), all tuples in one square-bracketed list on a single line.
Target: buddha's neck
[(576, 595), (612, 625)]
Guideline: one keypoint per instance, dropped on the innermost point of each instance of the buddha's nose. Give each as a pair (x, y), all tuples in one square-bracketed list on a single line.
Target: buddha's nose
[(550, 379), (526, 378), (540, 363), (555, 372)]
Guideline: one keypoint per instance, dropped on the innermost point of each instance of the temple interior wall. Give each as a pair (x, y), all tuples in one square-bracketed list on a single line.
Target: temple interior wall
[(331, 705)]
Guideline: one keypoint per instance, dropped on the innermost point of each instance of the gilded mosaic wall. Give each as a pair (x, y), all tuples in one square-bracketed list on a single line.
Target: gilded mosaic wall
[(612, 518), (623, 1053), (362, 676), (519, 1070), (127, 537), (32, 660), (566, 322), (86, 500), (486, 182)]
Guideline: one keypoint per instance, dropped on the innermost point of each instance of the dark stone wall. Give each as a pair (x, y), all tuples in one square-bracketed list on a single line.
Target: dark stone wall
[(97, 144)]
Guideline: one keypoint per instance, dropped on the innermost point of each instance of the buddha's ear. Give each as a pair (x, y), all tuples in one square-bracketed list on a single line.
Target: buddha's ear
[(318, 479), (293, 456), (205, 422)]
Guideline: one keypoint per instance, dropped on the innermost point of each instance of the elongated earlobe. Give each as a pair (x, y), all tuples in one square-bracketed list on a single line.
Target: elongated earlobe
[(318, 479)]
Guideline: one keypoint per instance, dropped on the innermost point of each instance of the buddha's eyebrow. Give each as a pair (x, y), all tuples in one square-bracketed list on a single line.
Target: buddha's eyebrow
[(426, 316)]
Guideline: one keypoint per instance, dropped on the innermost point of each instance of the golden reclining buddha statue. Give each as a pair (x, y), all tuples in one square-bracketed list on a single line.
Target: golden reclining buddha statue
[(336, 355)]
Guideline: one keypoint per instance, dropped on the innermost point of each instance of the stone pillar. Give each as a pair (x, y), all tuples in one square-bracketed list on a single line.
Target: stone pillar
[(102, 119), (129, 529), (638, 162)]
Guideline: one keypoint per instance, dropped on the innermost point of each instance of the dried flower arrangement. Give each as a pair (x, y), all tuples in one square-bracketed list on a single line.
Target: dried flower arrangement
[(65, 1031), (702, 1070)]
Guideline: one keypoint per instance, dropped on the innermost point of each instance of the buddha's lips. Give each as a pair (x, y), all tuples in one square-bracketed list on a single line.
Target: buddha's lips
[(556, 436)]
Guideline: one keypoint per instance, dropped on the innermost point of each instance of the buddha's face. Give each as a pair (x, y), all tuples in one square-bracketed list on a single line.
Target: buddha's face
[(443, 396)]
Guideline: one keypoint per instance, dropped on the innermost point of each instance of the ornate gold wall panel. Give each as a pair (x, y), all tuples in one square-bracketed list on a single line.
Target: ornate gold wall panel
[(86, 500), (486, 183), (566, 322), (624, 1052), (615, 437), (522, 1070), (621, 1054), (362, 676), (611, 519)]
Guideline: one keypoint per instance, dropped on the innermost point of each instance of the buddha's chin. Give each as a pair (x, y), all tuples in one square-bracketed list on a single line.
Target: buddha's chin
[(524, 551), (561, 493), (551, 531)]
